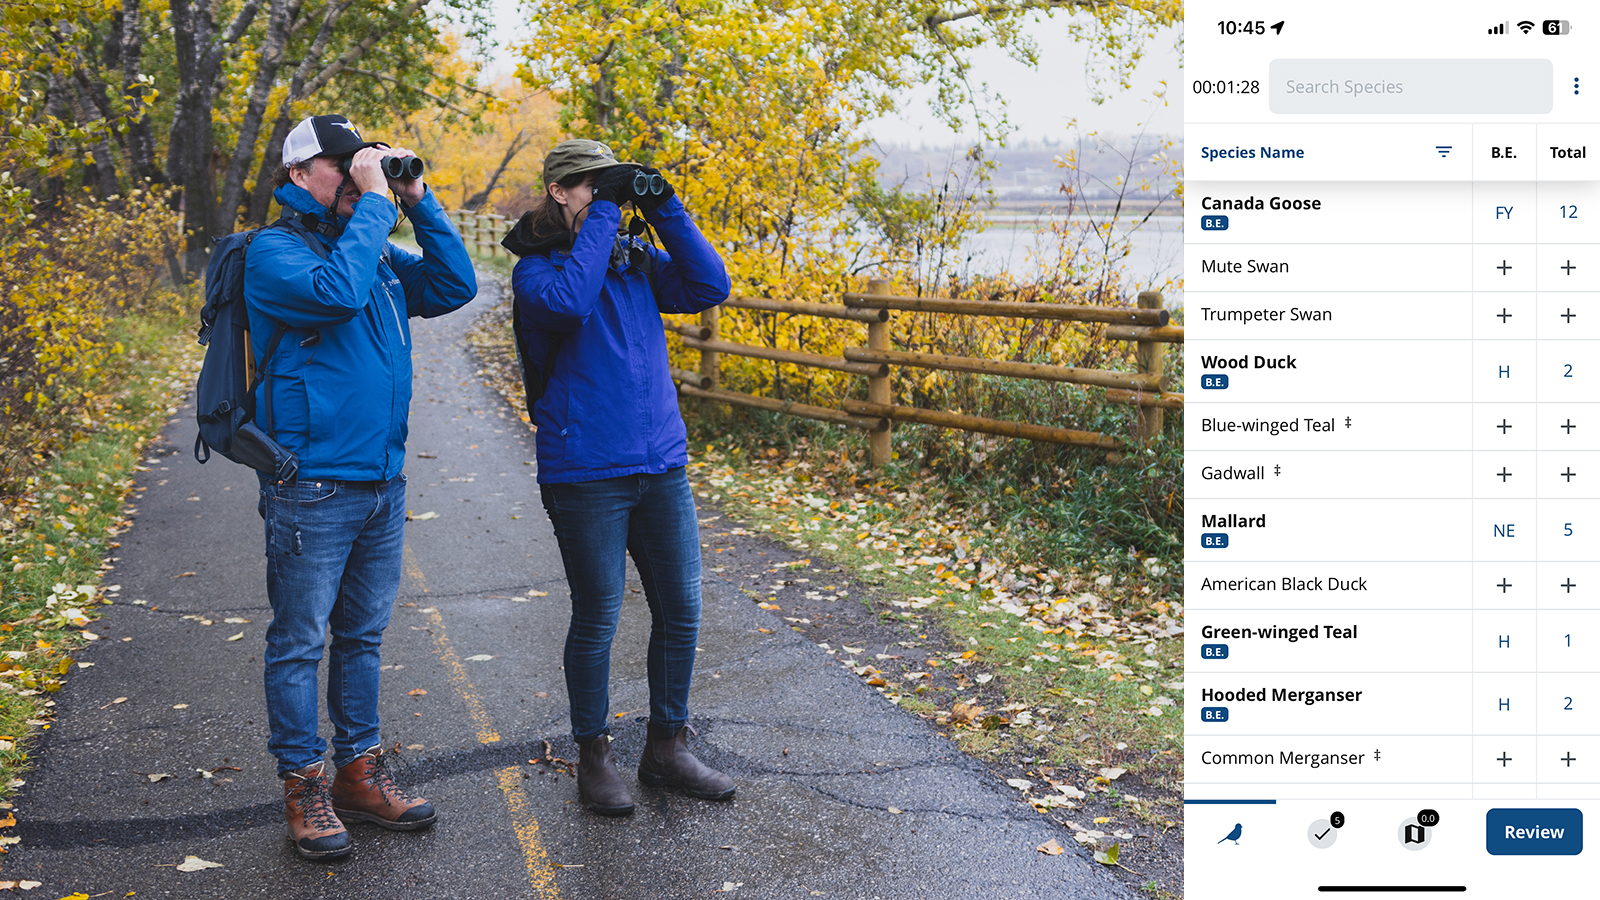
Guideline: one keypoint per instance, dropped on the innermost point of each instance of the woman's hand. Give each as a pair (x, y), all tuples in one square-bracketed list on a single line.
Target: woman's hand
[(615, 184)]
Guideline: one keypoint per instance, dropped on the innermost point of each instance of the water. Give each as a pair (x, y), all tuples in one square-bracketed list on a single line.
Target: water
[(1012, 243)]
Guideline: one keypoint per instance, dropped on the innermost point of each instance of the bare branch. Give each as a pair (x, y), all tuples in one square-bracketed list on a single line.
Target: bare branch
[(355, 53), (398, 83), (993, 9)]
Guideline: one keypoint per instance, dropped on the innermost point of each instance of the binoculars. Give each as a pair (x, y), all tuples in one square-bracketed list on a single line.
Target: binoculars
[(646, 184), (394, 166)]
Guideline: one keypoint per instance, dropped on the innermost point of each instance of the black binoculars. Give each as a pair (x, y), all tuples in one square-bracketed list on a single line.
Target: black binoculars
[(393, 166), (646, 184)]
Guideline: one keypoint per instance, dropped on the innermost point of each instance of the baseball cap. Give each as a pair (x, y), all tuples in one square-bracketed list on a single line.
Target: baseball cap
[(571, 157), (323, 136)]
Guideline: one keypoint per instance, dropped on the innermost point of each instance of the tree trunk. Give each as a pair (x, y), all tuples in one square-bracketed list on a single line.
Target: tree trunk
[(271, 160), (191, 147), (476, 201), (141, 140), (271, 59)]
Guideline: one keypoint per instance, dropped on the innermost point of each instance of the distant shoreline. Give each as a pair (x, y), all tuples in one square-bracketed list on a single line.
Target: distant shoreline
[(1057, 208)]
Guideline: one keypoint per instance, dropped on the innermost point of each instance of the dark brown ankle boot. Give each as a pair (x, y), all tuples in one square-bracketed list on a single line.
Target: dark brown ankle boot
[(667, 762), (600, 786), (316, 832), (365, 791)]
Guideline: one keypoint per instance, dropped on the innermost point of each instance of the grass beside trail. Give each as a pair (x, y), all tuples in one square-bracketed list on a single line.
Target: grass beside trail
[(58, 529)]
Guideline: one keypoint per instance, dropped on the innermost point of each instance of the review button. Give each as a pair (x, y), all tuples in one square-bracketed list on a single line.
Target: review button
[(1535, 832)]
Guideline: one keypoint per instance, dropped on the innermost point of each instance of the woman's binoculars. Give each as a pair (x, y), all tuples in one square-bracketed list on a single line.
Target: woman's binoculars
[(646, 184), (395, 166)]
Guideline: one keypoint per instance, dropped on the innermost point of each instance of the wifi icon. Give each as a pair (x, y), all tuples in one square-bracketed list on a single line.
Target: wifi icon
[(1525, 25)]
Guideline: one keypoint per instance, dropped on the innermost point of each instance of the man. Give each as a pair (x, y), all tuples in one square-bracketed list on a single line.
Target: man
[(337, 392)]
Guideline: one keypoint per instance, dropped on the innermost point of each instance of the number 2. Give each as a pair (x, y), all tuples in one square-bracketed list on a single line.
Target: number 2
[(1569, 212)]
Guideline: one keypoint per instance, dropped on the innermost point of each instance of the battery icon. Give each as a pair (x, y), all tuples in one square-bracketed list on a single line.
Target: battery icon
[(1556, 26)]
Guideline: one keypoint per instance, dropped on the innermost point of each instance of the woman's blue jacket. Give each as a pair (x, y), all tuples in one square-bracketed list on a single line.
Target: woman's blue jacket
[(341, 376), (610, 407)]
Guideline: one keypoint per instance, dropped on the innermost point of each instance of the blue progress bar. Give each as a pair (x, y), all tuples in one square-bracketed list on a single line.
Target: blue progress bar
[(1230, 802)]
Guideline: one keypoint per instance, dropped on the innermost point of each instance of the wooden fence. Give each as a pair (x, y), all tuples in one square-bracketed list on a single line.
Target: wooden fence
[(1144, 389), (481, 232)]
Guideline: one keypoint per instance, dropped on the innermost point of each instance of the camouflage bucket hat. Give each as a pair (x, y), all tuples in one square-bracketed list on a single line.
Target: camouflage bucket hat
[(572, 157)]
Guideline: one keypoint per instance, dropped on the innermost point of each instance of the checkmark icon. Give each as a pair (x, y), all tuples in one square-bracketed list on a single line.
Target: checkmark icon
[(1323, 835)]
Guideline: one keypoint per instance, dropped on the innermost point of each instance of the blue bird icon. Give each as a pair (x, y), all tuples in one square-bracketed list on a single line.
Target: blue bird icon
[(1234, 834)]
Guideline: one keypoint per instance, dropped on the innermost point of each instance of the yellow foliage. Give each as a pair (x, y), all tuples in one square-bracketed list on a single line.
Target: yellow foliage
[(60, 282)]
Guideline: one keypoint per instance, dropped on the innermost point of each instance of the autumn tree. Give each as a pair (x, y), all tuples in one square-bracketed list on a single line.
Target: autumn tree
[(101, 88)]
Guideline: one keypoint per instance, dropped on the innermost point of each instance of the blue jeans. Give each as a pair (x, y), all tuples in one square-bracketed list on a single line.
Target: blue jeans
[(333, 561), (652, 518)]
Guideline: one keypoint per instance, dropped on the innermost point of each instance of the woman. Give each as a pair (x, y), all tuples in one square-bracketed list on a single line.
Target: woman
[(612, 446)]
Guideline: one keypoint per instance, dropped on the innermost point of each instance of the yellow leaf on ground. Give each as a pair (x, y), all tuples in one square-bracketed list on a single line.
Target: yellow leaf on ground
[(236, 637), (416, 692), (195, 864), (1052, 847)]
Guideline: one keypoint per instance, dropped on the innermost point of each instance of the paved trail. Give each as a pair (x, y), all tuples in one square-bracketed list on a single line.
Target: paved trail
[(819, 758)]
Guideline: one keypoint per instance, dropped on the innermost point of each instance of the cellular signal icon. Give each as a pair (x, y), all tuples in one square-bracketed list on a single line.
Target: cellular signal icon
[(1500, 29)]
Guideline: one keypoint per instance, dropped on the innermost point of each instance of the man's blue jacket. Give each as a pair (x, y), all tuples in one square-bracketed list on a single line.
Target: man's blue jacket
[(610, 408), (341, 377)]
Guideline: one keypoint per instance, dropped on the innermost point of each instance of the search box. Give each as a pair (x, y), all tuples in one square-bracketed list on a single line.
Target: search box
[(1411, 86)]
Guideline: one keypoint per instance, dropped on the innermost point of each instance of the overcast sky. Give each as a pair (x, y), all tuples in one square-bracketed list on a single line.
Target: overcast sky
[(1039, 101)]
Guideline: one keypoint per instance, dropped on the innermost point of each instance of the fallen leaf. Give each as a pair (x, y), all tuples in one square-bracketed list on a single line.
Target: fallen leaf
[(769, 606), (1052, 847), (1112, 774), (1101, 820), (896, 812), (964, 713), (89, 635), (1021, 784), (415, 747), (421, 517), (8, 821), (416, 692), (180, 706), (1108, 856), (195, 864), (235, 620), (120, 700), (538, 593), (481, 657), (158, 776), (184, 575), (9, 841), (28, 885), (236, 637), (205, 773)]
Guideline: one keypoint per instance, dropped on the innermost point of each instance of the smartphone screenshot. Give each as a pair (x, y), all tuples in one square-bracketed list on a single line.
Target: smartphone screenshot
[(1393, 469)]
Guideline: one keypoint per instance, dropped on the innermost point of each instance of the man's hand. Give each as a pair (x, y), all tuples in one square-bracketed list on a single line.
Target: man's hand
[(409, 190), (366, 170)]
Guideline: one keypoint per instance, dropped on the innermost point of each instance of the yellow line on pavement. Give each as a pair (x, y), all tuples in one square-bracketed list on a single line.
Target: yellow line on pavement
[(540, 872)]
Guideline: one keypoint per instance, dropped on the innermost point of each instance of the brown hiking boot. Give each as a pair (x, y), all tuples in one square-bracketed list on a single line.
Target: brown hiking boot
[(667, 762), (365, 791), (316, 832), (600, 786)]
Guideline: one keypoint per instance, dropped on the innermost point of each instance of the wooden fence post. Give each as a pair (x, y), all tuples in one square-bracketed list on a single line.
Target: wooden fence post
[(878, 385), (711, 360), (1152, 359)]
